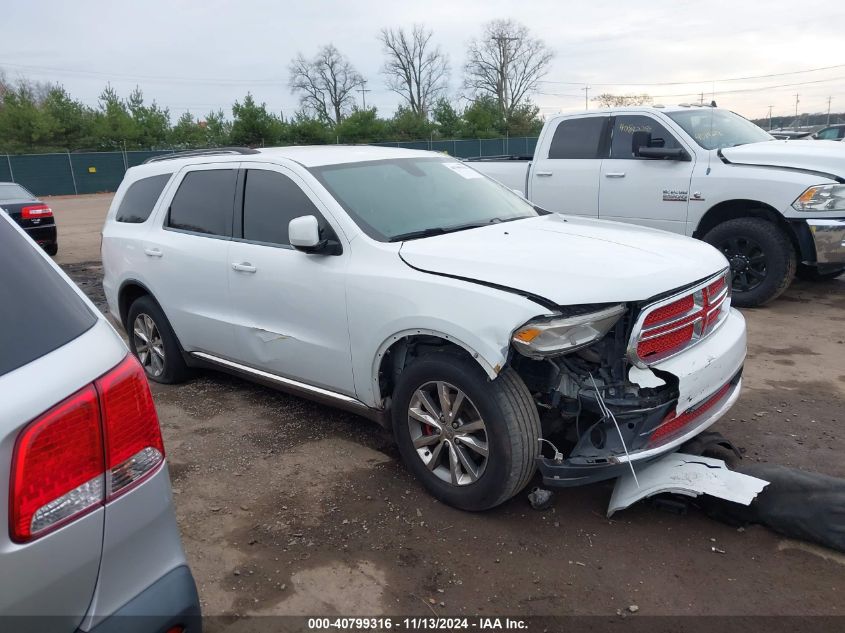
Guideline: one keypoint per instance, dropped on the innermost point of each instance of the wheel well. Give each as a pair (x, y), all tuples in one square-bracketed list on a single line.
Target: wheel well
[(733, 209), (128, 294), (404, 350)]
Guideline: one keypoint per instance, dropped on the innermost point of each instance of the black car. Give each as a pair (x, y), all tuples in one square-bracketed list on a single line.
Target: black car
[(35, 217)]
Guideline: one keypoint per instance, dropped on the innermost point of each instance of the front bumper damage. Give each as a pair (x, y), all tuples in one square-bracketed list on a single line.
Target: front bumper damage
[(685, 395)]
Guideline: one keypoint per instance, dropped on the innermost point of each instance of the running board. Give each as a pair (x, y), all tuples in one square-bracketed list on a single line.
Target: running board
[(311, 392)]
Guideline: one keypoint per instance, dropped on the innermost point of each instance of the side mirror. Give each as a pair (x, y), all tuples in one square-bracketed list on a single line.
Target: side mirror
[(664, 153), (304, 235)]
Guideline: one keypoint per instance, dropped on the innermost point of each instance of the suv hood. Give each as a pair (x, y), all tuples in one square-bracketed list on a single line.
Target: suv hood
[(568, 260), (819, 156)]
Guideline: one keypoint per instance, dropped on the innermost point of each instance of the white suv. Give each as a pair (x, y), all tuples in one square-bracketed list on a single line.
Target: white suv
[(495, 338)]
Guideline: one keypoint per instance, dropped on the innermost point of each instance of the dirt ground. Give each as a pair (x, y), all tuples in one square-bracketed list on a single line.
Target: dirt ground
[(289, 507)]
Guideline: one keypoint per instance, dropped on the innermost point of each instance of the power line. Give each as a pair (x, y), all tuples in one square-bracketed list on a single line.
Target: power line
[(701, 81)]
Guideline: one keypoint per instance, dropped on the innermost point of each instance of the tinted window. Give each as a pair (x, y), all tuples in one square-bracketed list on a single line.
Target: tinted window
[(712, 128), (578, 138), (39, 311), (204, 202), (140, 198), (632, 132), (11, 191), (271, 201), (828, 133)]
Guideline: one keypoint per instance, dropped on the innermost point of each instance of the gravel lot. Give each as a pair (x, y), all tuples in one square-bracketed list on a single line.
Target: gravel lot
[(288, 507)]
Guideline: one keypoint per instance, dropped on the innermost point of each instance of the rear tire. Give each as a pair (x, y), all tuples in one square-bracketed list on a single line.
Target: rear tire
[(154, 343), (761, 256), (503, 408), (51, 249)]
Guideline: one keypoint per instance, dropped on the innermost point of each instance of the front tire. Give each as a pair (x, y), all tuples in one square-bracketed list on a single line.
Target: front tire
[(471, 442), (154, 343), (761, 256)]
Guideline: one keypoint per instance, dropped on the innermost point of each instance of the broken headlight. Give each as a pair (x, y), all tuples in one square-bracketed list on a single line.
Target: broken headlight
[(554, 336), (821, 198)]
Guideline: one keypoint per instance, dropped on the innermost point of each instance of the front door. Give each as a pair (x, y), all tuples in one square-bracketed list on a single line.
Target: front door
[(652, 192), (288, 307)]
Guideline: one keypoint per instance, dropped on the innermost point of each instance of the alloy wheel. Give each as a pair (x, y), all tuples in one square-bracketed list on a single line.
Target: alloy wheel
[(148, 344), (448, 433), (748, 262)]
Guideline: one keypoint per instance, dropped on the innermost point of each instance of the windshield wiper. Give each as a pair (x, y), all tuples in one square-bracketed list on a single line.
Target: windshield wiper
[(434, 230)]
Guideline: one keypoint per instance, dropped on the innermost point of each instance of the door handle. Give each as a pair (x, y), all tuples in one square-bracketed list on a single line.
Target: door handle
[(544, 174), (153, 252), (615, 174), (244, 267)]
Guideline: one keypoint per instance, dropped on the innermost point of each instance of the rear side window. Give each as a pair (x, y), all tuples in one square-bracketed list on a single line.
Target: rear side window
[(630, 132), (271, 201), (578, 138), (204, 202), (39, 311), (140, 198)]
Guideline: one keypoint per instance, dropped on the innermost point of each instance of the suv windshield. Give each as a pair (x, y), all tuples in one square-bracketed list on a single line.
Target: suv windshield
[(410, 198), (11, 191), (715, 129)]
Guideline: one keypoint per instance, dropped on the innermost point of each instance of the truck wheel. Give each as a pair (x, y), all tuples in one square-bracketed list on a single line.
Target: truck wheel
[(153, 342), (471, 441), (814, 273), (52, 249), (761, 256)]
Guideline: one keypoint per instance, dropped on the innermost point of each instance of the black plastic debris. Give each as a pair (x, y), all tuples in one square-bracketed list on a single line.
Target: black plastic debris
[(796, 503), (540, 499)]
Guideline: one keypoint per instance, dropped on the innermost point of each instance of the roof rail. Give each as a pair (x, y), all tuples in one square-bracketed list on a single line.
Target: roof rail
[(216, 151)]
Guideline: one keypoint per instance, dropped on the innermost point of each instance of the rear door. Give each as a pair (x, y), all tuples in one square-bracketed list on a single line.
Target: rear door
[(651, 192), (186, 256), (50, 348), (565, 172)]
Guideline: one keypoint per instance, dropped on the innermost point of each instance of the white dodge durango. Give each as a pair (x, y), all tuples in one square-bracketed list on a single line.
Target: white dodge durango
[(494, 338)]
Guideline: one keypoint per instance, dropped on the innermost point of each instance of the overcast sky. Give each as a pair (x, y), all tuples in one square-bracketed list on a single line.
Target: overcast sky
[(204, 55)]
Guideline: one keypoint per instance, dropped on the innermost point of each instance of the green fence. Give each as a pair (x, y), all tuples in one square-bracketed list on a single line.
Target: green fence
[(93, 172)]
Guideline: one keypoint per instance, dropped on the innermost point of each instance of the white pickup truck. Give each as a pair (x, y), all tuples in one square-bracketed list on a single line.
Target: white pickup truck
[(772, 207)]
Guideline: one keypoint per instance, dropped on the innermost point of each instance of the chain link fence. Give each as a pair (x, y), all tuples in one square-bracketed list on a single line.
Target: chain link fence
[(95, 172)]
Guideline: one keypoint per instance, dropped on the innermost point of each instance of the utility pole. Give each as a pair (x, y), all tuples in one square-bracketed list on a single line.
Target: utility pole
[(503, 42), (364, 90), (828, 109), (701, 99), (796, 109), (770, 118), (586, 90)]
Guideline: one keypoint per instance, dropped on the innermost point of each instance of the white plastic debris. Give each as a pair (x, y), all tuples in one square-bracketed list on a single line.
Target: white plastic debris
[(690, 475)]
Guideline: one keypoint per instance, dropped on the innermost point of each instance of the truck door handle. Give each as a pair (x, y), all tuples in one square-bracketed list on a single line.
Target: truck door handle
[(244, 267), (544, 174), (615, 174), (153, 252)]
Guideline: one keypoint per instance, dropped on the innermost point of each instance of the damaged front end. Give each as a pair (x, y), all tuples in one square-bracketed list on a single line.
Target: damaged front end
[(599, 377)]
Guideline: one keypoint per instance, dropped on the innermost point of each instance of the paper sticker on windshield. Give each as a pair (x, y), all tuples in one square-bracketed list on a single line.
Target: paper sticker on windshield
[(463, 170)]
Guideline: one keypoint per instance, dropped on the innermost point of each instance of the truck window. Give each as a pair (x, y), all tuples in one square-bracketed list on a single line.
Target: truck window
[(204, 202), (140, 198), (578, 138), (633, 131), (271, 201)]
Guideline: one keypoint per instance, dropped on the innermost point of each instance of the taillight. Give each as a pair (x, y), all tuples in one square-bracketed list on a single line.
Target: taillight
[(133, 439), (83, 452), (37, 211)]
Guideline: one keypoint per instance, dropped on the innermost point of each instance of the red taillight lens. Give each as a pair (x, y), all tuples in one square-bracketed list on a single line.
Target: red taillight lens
[(133, 439), (83, 452), (57, 467), (36, 212)]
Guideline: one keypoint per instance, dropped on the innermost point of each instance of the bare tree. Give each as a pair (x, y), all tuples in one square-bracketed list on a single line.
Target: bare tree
[(607, 100), (506, 63), (415, 68), (325, 83)]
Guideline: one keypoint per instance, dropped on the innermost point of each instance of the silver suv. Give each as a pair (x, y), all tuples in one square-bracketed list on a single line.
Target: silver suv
[(89, 535)]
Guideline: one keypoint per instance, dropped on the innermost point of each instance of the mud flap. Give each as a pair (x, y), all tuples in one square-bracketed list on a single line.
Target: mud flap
[(690, 475)]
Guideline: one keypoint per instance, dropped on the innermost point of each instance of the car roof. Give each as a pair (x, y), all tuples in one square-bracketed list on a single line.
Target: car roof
[(305, 155)]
